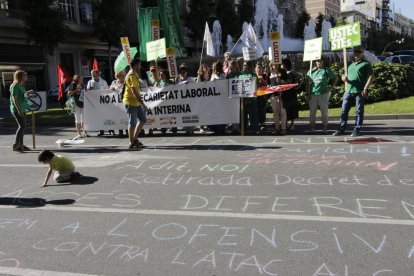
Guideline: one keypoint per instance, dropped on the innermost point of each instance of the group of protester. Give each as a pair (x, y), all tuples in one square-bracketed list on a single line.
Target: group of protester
[(318, 83)]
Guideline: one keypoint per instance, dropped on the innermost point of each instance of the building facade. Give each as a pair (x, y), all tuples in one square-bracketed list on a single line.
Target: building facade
[(75, 54), (378, 12), (402, 25), (329, 8)]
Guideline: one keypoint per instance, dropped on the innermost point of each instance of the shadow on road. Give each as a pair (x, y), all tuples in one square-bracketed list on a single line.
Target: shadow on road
[(34, 202)]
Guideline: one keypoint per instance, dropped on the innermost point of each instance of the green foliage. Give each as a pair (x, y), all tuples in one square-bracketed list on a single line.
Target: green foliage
[(319, 21), (44, 24), (392, 81), (245, 11), (229, 21), (378, 40), (147, 3), (108, 20), (304, 17), (196, 18), (333, 21), (340, 21)]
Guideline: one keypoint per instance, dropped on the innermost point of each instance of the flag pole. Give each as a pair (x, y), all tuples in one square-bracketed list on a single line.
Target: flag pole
[(236, 44), (201, 59)]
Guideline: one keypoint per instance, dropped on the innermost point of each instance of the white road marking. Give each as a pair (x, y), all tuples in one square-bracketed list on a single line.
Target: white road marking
[(36, 272), (220, 215)]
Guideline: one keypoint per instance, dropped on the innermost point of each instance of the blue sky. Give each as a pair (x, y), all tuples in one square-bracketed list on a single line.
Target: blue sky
[(405, 6)]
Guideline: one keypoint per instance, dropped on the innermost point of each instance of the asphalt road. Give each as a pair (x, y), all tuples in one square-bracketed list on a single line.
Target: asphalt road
[(213, 205)]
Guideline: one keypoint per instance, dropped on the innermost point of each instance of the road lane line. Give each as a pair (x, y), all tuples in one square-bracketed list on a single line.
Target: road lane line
[(36, 272), (219, 215)]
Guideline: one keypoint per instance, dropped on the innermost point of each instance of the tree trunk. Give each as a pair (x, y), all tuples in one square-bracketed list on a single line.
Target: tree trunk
[(110, 61)]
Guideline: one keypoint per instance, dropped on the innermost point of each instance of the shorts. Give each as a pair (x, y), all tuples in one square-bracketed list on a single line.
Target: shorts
[(78, 115), (135, 113), (63, 175)]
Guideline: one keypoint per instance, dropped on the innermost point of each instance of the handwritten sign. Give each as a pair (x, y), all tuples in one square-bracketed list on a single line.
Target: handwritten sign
[(156, 49), (313, 49)]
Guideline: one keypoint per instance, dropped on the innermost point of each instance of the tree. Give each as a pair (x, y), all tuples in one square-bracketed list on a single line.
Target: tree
[(303, 19), (333, 21), (108, 20), (245, 11), (230, 22), (195, 19), (147, 3), (319, 21), (341, 21), (44, 24)]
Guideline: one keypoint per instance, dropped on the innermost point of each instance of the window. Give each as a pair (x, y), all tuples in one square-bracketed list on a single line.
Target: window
[(68, 10), (4, 5), (85, 12)]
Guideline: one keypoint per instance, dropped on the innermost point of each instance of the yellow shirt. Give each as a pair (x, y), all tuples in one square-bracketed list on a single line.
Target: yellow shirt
[(129, 96), (59, 163)]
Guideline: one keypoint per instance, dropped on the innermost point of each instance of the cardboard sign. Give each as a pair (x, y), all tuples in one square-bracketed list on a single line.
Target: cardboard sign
[(313, 49), (172, 62), (156, 49), (126, 48), (276, 51), (345, 36), (249, 53), (155, 29)]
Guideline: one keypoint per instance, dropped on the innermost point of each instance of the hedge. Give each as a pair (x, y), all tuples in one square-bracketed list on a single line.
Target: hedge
[(392, 81)]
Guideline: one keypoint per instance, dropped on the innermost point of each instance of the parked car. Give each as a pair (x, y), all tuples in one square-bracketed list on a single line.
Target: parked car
[(404, 52), (399, 59), (381, 58)]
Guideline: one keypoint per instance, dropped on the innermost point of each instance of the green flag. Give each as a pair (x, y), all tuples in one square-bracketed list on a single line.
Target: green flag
[(171, 23), (146, 16)]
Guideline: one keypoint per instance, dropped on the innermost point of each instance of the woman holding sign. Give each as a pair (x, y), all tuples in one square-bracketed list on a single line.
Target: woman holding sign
[(320, 82), (18, 106)]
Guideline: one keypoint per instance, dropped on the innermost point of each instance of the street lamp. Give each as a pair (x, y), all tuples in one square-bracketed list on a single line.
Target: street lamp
[(395, 41)]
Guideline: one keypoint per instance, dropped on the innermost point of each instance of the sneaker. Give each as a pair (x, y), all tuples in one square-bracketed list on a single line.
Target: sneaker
[(23, 147), (17, 147), (138, 144), (355, 132), (85, 134), (77, 137), (75, 175), (101, 133), (339, 132), (202, 131)]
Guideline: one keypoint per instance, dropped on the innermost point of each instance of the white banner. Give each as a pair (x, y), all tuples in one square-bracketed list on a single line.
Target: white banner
[(194, 104), (242, 87)]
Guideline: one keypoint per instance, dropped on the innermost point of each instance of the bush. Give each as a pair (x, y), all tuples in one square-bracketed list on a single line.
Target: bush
[(392, 81)]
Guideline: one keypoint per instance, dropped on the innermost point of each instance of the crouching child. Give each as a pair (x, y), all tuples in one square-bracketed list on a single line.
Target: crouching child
[(63, 167)]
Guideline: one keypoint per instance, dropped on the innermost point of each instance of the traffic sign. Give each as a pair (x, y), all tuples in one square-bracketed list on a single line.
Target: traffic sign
[(37, 101)]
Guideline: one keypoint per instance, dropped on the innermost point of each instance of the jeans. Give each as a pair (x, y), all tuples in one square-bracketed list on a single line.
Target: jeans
[(346, 106), (135, 113), (21, 122)]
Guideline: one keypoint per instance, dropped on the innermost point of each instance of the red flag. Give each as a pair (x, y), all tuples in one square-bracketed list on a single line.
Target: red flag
[(95, 66), (63, 77)]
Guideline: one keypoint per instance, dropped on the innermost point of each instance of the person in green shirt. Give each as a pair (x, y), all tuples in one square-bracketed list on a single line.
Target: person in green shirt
[(360, 77), (63, 167), (319, 84), (18, 107)]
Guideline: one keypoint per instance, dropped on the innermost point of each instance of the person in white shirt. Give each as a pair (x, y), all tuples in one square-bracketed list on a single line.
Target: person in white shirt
[(97, 83)]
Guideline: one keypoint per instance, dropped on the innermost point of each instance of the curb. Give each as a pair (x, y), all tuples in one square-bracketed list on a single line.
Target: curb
[(268, 120)]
